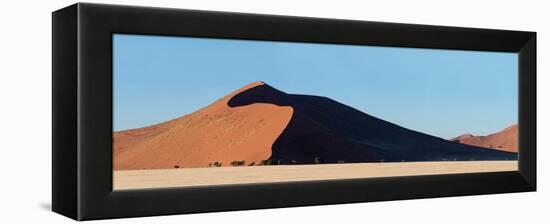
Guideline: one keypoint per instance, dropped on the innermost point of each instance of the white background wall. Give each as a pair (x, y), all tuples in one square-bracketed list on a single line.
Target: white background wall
[(25, 112)]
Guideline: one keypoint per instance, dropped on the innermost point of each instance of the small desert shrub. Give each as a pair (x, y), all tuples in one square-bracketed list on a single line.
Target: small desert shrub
[(252, 164), (317, 160), (176, 166), (237, 163), (217, 164), (266, 162)]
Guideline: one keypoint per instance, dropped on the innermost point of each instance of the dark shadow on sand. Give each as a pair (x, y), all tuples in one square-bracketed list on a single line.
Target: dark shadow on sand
[(326, 131)]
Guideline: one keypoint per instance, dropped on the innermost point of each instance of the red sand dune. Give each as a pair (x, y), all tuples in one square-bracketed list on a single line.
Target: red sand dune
[(216, 133), (259, 122), (504, 140)]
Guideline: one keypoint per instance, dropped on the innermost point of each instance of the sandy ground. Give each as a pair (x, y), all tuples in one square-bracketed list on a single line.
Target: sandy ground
[(135, 179)]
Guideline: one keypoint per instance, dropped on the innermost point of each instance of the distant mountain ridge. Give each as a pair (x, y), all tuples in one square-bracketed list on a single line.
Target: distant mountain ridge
[(259, 123), (503, 140)]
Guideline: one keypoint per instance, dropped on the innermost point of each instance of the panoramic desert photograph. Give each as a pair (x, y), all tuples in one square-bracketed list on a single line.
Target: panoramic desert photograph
[(199, 111)]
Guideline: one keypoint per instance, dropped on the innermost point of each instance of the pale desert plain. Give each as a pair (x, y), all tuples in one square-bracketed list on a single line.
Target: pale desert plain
[(259, 134), (137, 179)]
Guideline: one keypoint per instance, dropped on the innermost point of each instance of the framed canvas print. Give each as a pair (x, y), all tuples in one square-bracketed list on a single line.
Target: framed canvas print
[(195, 111)]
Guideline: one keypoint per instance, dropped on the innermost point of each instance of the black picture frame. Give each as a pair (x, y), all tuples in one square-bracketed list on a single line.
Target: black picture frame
[(82, 111)]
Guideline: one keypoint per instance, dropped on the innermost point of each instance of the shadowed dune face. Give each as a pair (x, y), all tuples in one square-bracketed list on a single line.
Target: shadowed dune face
[(333, 132), (504, 140), (305, 139)]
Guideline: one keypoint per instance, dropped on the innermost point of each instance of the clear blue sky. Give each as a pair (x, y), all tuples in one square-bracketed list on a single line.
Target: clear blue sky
[(439, 92)]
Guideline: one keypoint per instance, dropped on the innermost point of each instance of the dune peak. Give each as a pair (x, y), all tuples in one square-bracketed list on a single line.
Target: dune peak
[(254, 84), (248, 87), (467, 135)]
